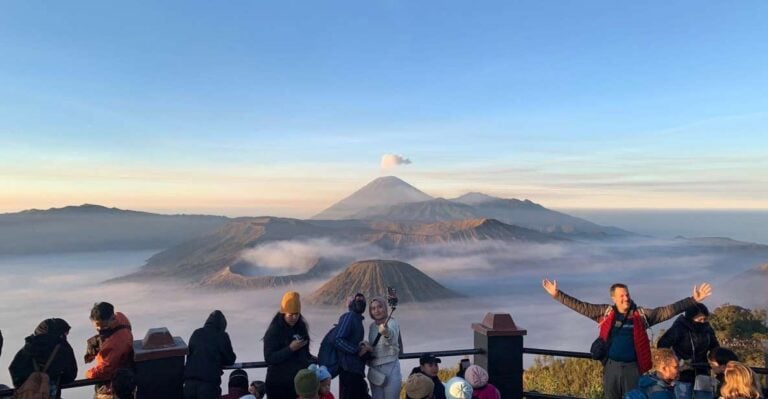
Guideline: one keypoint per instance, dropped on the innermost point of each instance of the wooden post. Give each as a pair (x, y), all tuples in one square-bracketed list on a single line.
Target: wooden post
[(502, 341)]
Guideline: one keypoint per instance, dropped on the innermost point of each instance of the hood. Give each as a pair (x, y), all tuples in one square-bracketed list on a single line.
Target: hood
[(40, 346), (649, 380), (217, 321), (686, 323), (120, 322)]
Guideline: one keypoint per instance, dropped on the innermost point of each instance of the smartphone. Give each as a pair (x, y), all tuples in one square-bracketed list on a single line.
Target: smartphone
[(298, 337)]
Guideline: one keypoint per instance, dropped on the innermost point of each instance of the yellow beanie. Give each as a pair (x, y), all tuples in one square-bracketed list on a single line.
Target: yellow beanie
[(290, 303)]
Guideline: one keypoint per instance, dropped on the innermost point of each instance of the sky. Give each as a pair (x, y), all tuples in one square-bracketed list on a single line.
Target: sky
[(248, 108)]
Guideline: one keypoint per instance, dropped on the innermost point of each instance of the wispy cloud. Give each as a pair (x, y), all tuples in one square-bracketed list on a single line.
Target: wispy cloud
[(389, 161)]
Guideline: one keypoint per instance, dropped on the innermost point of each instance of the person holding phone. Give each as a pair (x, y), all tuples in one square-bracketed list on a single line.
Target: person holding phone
[(286, 348), (384, 367)]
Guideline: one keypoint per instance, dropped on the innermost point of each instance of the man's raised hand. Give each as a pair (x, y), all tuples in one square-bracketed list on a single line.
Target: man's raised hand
[(701, 292), (550, 286)]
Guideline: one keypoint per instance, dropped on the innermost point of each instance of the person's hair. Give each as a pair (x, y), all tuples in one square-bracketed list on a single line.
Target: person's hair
[(302, 327), (722, 356), (102, 311), (124, 384), (738, 382), (238, 378), (618, 285), (662, 356), (261, 388)]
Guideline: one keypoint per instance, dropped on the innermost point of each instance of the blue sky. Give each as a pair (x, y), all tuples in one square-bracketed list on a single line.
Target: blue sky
[(285, 107)]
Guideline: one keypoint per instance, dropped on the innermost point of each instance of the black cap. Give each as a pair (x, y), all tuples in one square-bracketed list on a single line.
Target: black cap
[(428, 358)]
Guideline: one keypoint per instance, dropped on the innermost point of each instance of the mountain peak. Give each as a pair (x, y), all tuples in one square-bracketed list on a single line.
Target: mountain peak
[(382, 192), (372, 277)]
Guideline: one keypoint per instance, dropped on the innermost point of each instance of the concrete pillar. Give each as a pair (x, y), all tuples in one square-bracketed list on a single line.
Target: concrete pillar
[(502, 341), (159, 361)]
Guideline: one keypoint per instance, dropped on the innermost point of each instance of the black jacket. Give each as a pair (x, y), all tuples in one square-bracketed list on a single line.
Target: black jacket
[(438, 391), (209, 350), (38, 348), (690, 341), (283, 364)]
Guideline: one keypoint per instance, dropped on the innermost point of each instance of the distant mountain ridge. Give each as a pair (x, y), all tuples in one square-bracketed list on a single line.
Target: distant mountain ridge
[(91, 227), (201, 258), (384, 203)]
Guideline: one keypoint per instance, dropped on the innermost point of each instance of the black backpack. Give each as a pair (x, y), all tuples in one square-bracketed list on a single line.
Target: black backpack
[(328, 355)]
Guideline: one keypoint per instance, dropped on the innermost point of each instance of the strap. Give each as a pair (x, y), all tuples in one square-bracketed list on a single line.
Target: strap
[(50, 358)]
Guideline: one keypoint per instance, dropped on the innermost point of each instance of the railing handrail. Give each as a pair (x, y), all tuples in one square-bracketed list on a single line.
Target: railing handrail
[(412, 355)]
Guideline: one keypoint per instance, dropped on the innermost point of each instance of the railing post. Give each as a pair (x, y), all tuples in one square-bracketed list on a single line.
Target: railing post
[(503, 358), (159, 361)]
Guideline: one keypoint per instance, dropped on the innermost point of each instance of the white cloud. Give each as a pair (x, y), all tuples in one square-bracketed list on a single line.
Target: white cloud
[(389, 161)]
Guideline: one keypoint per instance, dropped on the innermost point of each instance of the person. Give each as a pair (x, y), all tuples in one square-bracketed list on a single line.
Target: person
[(286, 347), (111, 348), (463, 365), (384, 368), (324, 376), (306, 384), (718, 361), (429, 365), (691, 337), (739, 382), (419, 386), (257, 389), (49, 337), (458, 388), (660, 385), (623, 327), (210, 349), (124, 384), (352, 349), (481, 388), (237, 384)]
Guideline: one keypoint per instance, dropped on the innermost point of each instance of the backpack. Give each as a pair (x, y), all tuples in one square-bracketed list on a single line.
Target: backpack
[(327, 355), (38, 384), (644, 393)]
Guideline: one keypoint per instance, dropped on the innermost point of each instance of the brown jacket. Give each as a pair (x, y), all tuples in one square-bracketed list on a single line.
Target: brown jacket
[(116, 350)]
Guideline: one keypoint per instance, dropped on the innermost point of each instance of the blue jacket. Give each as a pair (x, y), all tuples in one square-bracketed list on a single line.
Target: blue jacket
[(349, 333), (655, 388)]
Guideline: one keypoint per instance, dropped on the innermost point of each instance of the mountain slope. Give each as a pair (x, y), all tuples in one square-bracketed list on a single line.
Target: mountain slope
[(382, 193), (372, 277), (425, 211), (97, 228)]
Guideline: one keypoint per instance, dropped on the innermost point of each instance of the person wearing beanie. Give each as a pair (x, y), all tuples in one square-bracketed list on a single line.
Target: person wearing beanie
[(210, 349), (419, 386), (324, 376), (691, 337), (352, 350), (111, 348), (306, 384), (458, 388), (238, 384), (286, 348), (429, 365), (38, 348), (384, 373), (481, 388)]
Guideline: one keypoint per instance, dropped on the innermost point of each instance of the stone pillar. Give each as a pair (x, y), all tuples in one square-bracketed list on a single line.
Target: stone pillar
[(502, 341), (159, 361)]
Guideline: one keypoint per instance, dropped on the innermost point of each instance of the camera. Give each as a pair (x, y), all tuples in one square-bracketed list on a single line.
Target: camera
[(392, 297)]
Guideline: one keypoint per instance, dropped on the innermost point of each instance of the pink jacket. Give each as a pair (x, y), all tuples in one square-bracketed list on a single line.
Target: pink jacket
[(487, 392)]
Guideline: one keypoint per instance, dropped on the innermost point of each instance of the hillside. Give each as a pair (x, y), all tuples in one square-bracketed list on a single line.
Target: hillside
[(380, 193)]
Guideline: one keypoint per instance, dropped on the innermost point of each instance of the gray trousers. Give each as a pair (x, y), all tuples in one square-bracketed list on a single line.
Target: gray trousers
[(619, 378)]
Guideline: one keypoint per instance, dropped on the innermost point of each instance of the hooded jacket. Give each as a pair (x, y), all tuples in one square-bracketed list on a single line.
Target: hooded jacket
[(690, 341), (655, 388), (38, 348), (209, 350), (116, 350)]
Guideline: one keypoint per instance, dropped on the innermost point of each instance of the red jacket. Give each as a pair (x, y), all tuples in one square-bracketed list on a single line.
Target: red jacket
[(116, 350), (639, 337)]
